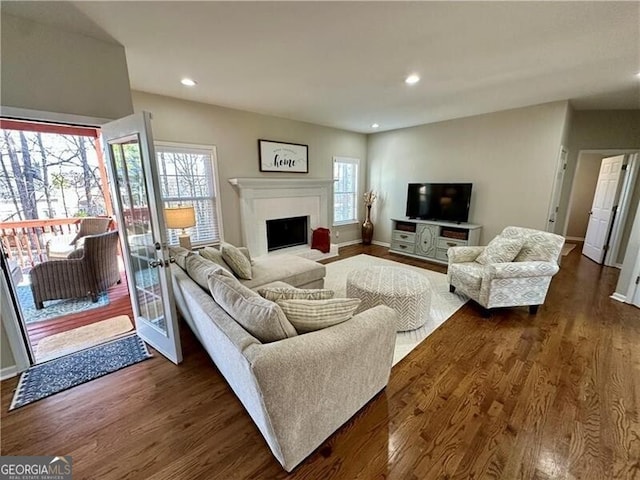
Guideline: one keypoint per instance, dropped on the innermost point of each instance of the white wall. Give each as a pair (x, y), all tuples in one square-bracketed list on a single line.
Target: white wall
[(235, 133), (509, 156), (583, 190), (52, 70)]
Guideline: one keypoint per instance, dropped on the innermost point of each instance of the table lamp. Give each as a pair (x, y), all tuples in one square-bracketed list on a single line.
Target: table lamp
[(181, 218)]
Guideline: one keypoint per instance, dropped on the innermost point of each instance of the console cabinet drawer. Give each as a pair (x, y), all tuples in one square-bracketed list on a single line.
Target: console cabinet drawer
[(403, 247), (401, 236), (451, 242)]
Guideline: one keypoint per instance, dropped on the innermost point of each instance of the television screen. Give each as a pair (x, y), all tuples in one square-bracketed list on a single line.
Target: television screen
[(439, 201)]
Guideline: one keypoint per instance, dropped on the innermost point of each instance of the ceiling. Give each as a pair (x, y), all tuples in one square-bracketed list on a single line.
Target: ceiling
[(343, 64)]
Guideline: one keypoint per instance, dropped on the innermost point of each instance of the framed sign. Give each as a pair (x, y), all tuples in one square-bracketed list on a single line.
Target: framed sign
[(283, 157)]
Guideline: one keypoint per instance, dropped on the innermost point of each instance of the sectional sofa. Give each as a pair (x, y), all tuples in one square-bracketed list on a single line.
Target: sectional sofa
[(297, 390)]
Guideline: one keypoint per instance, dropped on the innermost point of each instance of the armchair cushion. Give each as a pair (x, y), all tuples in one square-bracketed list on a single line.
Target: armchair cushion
[(523, 269), (500, 250)]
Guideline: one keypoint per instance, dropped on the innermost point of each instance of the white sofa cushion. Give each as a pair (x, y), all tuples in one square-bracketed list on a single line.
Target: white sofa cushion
[(199, 269), (263, 319)]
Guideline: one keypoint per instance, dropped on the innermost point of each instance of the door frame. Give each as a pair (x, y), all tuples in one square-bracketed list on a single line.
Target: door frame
[(11, 322), (556, 189), (624, 204), (635, 273)]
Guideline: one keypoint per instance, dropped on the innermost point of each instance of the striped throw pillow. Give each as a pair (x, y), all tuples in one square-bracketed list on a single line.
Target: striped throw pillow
[(311, 315), (291, 293)]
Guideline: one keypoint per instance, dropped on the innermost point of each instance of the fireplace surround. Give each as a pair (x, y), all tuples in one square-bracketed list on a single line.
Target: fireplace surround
[(264, 198)]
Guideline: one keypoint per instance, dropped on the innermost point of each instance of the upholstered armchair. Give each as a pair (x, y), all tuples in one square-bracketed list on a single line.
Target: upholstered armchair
[(62, 246), (515, 269), (87, 272)]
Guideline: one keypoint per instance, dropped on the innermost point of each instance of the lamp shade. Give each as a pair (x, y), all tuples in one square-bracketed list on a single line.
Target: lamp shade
[(180, 217)]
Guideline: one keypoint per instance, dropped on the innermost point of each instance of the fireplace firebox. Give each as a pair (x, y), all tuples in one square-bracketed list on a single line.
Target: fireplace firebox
[(286, 232)]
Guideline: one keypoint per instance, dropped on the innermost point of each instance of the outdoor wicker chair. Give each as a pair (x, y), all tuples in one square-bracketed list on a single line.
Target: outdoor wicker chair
[(86, 272)]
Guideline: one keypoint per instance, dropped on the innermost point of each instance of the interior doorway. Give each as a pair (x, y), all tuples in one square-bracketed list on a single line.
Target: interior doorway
[(55, 206), (587, 210)]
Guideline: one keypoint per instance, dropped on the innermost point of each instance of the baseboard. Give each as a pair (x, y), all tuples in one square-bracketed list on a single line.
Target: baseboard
[(8, 372), (575, 239), (619, 266), (619, 297), (382, 244)]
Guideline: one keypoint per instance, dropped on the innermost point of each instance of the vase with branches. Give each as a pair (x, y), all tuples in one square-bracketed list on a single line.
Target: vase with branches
[(367, 226)]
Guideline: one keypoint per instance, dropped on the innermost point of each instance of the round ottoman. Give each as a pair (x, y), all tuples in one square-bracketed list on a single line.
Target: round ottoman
[(407, 292)]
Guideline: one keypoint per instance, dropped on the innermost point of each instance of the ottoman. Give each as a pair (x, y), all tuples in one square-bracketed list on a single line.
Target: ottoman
[(407, 292)]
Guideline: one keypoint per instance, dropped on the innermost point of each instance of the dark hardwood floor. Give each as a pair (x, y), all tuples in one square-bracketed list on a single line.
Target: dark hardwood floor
[(514, 396)]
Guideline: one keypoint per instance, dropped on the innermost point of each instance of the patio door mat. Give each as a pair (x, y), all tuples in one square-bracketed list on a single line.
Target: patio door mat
[(83, 337), (46, 379)]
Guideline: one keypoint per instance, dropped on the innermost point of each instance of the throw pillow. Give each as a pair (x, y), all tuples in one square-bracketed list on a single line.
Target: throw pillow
[(215, 256), (260, 317), (291, 293), (238, 262), (500, 250), (311, 315), (199, 269)]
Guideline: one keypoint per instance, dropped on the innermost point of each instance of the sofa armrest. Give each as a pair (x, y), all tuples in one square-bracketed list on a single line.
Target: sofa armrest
[(313, 383), (521, 269), (463, 254)]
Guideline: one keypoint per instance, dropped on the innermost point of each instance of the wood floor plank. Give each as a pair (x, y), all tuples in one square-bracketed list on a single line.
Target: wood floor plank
[(514, 396)]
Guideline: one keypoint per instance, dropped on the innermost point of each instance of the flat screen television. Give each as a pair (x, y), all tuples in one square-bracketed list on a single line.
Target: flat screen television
[(439, 201)]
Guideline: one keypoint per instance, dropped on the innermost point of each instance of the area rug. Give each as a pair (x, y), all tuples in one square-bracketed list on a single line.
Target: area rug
[(567, 248), (43, 380), (55, 308), (443, 303), (83, 337)]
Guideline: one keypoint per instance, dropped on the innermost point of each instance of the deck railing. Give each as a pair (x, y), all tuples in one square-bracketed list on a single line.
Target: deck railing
[(26, 241)]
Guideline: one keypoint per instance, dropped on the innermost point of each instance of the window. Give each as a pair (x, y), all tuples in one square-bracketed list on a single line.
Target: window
[(345, 190), (188, 176)]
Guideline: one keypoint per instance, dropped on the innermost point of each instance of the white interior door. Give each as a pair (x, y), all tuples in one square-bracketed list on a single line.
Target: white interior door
[(554, 206), (139, 209), (601, 214)]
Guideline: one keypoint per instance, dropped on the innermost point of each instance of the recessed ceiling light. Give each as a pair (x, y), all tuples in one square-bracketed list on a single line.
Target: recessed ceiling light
[(412, 79), (638, 74), (375, 125), (187, 82)]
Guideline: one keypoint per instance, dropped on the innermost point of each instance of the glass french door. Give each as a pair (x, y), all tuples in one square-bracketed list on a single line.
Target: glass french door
[(139, 209)]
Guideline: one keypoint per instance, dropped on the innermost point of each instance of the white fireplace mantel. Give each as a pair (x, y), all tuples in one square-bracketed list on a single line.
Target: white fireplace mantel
[(264, 198)]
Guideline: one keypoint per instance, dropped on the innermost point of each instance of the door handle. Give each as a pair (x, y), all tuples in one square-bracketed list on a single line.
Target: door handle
[(156, 263)]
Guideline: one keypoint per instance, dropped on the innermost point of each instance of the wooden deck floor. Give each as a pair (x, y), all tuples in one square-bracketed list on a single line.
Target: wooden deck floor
[(551, 396)]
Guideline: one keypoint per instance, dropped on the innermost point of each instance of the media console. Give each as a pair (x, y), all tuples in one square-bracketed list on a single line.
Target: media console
[(430, 239)]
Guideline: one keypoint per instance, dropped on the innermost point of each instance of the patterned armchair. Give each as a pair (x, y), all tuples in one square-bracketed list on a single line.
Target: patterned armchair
[(521, 282), (62, 246), (87, 272)]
